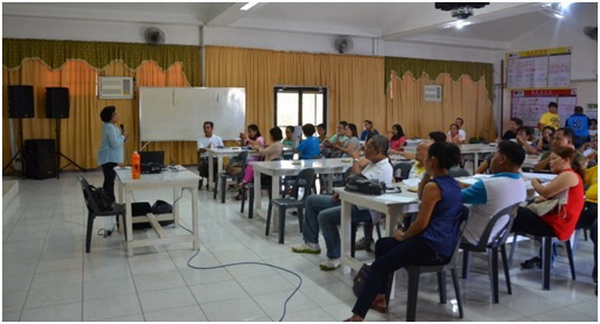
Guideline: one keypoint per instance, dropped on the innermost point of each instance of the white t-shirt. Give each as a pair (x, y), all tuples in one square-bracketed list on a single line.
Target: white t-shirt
[(213, 141), (461, 134), (488, 197), (382, 171)]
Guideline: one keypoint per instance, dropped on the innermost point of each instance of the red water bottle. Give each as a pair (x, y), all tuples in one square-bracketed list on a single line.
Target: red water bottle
[(135, 166)]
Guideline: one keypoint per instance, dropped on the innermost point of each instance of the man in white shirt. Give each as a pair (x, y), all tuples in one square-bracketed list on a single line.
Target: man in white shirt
[(324, 211), (461, 132), (204, 143), (490, 195)]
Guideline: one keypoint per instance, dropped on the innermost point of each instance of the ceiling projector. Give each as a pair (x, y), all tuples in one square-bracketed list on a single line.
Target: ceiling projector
[(460, 10)]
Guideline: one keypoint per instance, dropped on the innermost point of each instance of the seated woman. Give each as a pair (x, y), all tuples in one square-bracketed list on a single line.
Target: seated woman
[(590, 151), (397, 140), (453, 135), (288, 141), (322, 131), (253, 137), (429, 240), (543, 142), (568, 188), (352, 144)]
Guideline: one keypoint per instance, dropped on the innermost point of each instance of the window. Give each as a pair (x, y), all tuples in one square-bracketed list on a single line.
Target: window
[(299, 106)]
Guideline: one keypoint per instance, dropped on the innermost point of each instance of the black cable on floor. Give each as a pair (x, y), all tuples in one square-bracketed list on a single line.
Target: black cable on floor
[(250, 263)]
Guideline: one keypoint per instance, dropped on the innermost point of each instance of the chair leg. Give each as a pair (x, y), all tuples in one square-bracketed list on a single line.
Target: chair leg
[(223, 183), (441, 278), (353, 228), (413, 289), (512, 249), (282, 211), (466, 266), (378, 228), (269, 210), (243, 199), (546, 255), (506, 269), (570, 256), (216, 186), (457, 292), (88, 235), (301, 218), (124, 226), (493, 273), (251, 203)]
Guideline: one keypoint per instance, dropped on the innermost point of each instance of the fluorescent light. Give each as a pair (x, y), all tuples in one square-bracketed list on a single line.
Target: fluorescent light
[(462, 23), (558, 15), (248, 5), (565, 4)]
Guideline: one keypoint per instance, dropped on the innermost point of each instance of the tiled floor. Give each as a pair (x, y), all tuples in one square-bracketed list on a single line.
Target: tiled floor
[(48, 277)]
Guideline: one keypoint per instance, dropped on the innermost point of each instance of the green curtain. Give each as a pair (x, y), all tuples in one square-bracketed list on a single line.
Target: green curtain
[(99, 54), (435, 67)]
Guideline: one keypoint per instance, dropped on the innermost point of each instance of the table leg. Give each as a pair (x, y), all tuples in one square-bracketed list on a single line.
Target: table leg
[(129, 227), (475, 161), (345, 228), (275, 188), (176, 206), (195, 220), (257, 191), (219, 165), (211, 171), (120, 201)]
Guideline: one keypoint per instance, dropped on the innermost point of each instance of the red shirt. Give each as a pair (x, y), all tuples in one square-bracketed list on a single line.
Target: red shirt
[(563, 223), (398, 144)]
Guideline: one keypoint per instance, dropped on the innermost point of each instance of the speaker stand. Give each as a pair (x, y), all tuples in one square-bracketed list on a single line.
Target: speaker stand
[(19, 152), (59, 153)]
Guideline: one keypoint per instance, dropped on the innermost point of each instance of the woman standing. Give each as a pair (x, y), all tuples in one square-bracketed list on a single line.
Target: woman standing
[(429, 240), (111, 148), (397, 140)]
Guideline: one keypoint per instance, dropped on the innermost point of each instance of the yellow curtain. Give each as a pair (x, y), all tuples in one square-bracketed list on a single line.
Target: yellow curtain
[(80, 133), (353, 82), (461, 98)]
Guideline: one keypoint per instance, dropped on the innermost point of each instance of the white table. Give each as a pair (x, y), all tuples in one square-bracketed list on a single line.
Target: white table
[(470, 149), (277, 169), (177, 180), (219, 153), (530, 161)]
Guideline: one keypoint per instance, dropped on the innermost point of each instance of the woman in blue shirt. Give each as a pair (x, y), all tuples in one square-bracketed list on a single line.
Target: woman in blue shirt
[(429, 240), (111, 148)]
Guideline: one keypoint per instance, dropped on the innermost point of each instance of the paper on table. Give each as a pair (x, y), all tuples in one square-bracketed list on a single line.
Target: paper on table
[(469, 181), (397, 198), (413, 182)]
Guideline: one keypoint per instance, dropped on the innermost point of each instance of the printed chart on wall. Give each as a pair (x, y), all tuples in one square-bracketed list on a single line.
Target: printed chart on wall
[(543, 68), (529, 105)]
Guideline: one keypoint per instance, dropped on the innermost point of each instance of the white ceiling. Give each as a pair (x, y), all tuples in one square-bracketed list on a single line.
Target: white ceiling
[(494, 26)]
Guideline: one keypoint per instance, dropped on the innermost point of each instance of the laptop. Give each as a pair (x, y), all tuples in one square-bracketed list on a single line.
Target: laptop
[(152, 156)]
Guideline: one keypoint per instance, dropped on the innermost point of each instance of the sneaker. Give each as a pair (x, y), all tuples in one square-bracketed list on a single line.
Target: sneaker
[(330, 264), (362, 245), (305, 248), (535, 262)]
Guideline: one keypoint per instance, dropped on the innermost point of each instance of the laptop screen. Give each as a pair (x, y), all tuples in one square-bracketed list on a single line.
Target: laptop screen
[(152, 156)]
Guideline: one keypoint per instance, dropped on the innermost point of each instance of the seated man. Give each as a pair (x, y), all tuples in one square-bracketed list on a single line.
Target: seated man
[(490, 195), (418, 168), (563, 137), (323, 211), (204, 143), (309, 147)]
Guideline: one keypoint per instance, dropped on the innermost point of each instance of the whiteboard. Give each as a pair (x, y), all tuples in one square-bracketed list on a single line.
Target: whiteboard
[(177, 114)]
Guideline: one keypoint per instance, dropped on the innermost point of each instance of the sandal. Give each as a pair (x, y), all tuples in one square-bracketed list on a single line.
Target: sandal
[(376, 305)]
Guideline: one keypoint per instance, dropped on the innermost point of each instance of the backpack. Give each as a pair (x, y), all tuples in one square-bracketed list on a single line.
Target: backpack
[(102, 199)]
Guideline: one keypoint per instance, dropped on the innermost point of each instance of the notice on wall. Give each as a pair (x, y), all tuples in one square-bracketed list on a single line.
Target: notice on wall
[(529, 105), (544, 68)]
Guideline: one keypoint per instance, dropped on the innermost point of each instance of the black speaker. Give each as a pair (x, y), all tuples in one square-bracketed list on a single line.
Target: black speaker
[(57, 102), (40, 158), (20, 101)]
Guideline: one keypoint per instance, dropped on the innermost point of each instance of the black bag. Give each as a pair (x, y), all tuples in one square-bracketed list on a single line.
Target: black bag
[(361, 279), (102, 199), (359, 183)]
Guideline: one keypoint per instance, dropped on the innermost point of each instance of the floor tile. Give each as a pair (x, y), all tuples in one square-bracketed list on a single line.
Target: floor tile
[(14, 300), (218, 291), (239, 309), (158, 281), (61, 312), (109, 307), (561, 314), (54, 293), (180, 314), (108, 288), (165, 299)]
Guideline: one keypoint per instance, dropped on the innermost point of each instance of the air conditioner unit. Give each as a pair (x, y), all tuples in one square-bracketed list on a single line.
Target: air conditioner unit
[(433, 93), (115, 87)]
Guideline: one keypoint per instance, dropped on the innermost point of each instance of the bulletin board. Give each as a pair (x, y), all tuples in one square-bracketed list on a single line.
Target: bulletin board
[(529, 105), (542, 68)]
